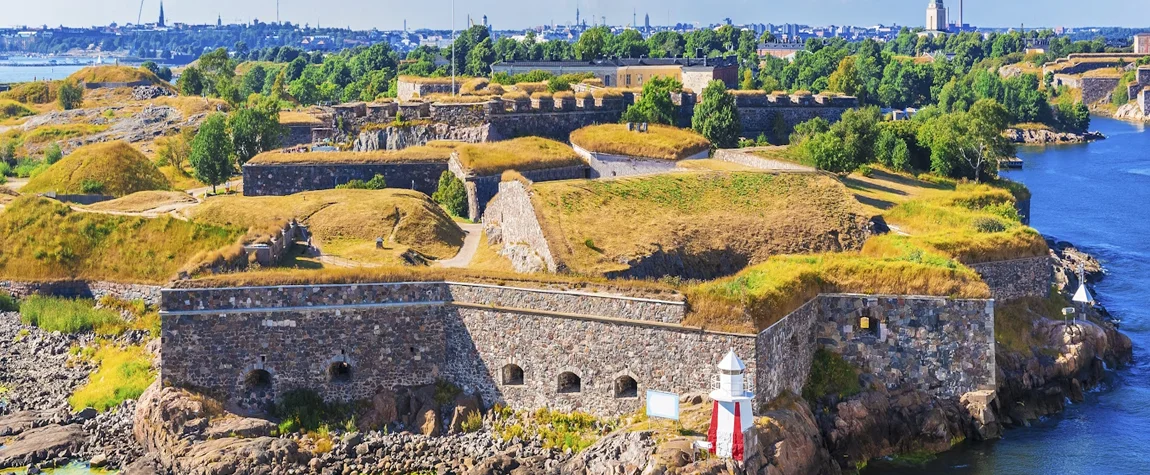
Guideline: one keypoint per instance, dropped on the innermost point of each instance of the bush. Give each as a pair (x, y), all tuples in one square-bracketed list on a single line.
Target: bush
[(865, 170), (70, 316), (8, 302), (988, 225), (305, 410), (53, 154), (378, 182), (830, 374), (451, 194), (473, 423), (71, 95), (91, 187)]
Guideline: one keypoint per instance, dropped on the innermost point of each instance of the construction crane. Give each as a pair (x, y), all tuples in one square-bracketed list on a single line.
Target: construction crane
[(141, 14)]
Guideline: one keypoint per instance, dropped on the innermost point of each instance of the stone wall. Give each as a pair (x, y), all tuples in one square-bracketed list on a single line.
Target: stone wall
[(761, 120), (287, 179), (415, 333), (747, 159), (605, 165), (83, 289), (553, 125), (1097, 89), (941, 346), (408, 90), (401, 137), (511, 221), (1029, 277), (783, 354), (482, 188), (297, 135), (1144, 100)]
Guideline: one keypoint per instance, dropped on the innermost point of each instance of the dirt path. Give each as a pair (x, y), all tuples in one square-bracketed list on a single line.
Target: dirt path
[(470, 246), (15, 184)]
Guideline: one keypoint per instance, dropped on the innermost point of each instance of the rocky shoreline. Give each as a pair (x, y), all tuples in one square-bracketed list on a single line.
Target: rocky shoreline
[(1050, 137)]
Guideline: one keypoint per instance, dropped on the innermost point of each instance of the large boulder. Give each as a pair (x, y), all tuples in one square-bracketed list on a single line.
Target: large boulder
[(383, 411), (37, 445), (790, 441), (465, 407), (427, 421)]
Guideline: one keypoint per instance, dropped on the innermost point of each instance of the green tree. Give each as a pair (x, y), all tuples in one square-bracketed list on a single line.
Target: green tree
[(807, 129), (53, 154), (451, 194), (900, 157), (716, 117), (191, 82), (770, 84), (254, 128), (628, 44), (846, 80), (858, 129), (479, 59), (211, 156), (748, 83), (151, 67), (826, 151), (378, 182), (592, 43), (70, 95), (655, 105), (254, 80)]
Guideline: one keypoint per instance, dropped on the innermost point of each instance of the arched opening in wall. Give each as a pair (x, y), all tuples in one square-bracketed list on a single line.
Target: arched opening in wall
[(569, 383), (258, 381), (625, 387), (339, 372), (512, 375)]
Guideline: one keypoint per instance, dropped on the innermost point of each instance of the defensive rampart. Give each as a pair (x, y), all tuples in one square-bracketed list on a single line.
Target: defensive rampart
[(1028, 277), (286, 179)]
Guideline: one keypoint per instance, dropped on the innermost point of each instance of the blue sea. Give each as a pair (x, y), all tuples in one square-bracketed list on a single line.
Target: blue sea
[(23, 69), (1096, 196)]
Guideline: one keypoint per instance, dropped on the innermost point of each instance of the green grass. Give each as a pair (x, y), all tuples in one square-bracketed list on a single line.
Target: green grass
[(123, 373), (54, 314), (660, 141), (830, 375), (304, 410), (117, 166), (10, 109), (8, 302), (558, 430)]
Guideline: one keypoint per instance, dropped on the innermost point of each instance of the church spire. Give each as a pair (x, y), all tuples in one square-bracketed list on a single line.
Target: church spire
[(161, 23)]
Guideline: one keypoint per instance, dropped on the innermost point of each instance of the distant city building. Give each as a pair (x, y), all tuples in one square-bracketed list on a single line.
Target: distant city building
[(694, 74), (1142, 43), (781, 50), (161, 22), (936, 16)]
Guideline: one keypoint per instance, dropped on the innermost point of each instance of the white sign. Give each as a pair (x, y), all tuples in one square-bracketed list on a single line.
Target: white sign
[(663, 405)]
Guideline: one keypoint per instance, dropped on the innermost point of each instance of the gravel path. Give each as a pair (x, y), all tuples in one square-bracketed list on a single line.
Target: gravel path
[(470, 246)]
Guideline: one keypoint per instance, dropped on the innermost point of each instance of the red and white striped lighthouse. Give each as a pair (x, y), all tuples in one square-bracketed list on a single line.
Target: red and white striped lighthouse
[(732, 415)]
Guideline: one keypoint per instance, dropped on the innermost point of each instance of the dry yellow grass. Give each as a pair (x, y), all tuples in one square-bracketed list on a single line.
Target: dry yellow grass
[(41, 239), (114, 74), (116, 166), (55, 133), (710, 164), (523, 154), (595, 227), (487, 258), (10, 109), (461, 99), (607, 93), (515, 96), (144, 201), (432, 152), (531, 87), (346, 223), (1104, 73), (660, 141), (39, 92), (299, 118)]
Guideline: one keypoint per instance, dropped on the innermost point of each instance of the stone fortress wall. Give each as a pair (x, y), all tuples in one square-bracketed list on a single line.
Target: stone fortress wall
[(286, 179), (1017, 278), (1095, 89), (511, 221)]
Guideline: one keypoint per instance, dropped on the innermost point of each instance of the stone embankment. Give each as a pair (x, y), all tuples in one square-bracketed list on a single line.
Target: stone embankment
[(38, 428), (1045, 137)]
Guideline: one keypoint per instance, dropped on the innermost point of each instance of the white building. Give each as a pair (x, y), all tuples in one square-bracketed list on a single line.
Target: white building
[(936, 16)]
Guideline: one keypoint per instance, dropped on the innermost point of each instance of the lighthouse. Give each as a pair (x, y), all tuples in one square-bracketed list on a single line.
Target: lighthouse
[(731, 414)]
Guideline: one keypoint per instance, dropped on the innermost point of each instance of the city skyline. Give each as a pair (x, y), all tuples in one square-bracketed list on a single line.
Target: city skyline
[(519, 14)]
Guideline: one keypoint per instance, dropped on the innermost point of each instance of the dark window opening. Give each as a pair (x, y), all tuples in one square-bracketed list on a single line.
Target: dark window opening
[(626, 386), (258, 380), (569, 383), (339, 372), (512, 375)]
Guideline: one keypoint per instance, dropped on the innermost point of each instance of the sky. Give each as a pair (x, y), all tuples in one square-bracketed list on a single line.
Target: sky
[(519, 14)]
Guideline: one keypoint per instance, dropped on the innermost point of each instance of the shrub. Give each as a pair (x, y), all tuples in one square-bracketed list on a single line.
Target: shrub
[(53, 154), (71, 95), (451, 194), (91, 187), (865, 170), (305, 410), (830, 374), (378, 182), (988, 225), (124, 373), (8, 302), (70, 316), (473, 423)]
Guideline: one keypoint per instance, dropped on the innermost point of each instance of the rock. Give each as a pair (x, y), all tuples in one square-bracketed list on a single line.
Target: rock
[(465, 406), (37, 445), (18, 422), (618, 452), (245, 427), (85, 414), (791, 441), (146, 465), (98, 461), (980, 405), (427, 421), (383, 411), (1044, 136)]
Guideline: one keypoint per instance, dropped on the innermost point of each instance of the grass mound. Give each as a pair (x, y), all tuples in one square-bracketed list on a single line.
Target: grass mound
[(144, 201), (346, 223), (10, 109), (69, 316), (38, 92), (598, 227), (522, 154), (432, 152), (660, 141), (111, 168), (113, 73), (124, 373), (41, 239)]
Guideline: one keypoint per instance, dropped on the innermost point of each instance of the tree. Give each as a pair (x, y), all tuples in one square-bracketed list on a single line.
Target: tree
[(900, 157), (174, 150), (255, 128), (53, 154), (451, 194), (966, 144), (211, 156), (592, 43), (191, 82), (655, 105), (70, 95), (858, 129), (151, 66), (846, 80), (254, 80), (378, 182), (716, 116), (748, 80), (165, 73), (826, 152), (479, 59), (628, 44)]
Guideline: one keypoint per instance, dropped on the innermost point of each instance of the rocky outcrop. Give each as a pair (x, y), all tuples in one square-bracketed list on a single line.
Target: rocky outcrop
[(1131, 112), (45, 443), (1046, 136), (38, 371), (399, 137), (790, 442)]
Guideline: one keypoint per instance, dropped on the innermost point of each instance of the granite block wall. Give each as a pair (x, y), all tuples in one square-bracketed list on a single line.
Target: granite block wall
[(95, 290), (1097, 89), (783, 354), (942, 346), (482, 188), (280, 180), (553, 125), (1029, 277), (510, 221), (297, 135)]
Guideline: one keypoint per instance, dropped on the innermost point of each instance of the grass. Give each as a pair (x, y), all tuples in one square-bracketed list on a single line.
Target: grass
[(830, 375), (487, 258), (558, 430), (299, 118), (1031, 126), (117, 166), (433, 152), (695, 214), (143, 201), (38, 92), (345, 223), (8, 302), (10, 109), (53, 314), (1014, 321), (41, 239), (123, 373), (114, 74), (660, 141), (522, 154), (56, 133)]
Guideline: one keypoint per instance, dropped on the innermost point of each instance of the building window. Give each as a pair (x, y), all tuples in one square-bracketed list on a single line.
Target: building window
[(569, 383), (628, 79), (512, 375), (339, 372), (607, 80), (625, 387), (640, 79)]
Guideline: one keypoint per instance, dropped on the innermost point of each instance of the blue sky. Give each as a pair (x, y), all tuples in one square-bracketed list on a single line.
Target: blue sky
[(389, 14)]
